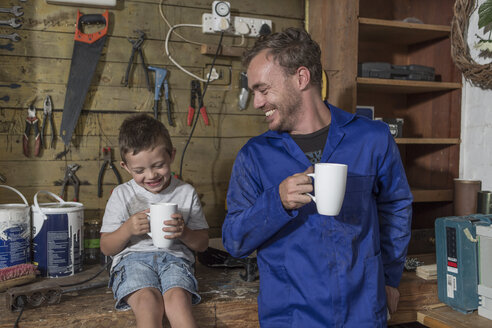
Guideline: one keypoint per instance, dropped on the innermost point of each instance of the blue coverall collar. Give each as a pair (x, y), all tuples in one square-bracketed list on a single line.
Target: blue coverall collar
[(339, 118)]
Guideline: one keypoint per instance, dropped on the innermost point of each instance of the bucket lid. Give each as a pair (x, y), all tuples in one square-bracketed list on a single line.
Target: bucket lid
[(55, 208)]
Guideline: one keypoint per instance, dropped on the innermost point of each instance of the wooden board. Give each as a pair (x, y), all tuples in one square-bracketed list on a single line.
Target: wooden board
[(227, 301), (442, 316), (40, 64)]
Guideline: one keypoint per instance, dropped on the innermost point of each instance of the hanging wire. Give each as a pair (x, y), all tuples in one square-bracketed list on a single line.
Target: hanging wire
[(200, 106)]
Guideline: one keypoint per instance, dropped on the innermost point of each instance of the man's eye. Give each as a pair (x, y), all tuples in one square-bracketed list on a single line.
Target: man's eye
[(138, 172)]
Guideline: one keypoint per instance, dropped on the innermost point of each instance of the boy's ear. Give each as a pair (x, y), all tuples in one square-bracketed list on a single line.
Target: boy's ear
[(123, 165)]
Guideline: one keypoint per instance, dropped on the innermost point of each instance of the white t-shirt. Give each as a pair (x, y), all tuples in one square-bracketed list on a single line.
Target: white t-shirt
[(130, 198)]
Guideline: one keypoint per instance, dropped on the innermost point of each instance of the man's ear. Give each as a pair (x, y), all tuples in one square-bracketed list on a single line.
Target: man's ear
[(173, 154), (303, 77)]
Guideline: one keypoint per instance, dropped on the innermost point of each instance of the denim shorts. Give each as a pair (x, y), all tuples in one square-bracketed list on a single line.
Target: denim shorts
[(159, 270)]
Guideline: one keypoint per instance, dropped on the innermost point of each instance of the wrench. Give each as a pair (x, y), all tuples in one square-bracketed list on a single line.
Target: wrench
[(8, 46), (14, 22), (15, 10), (13, 36), (12, 85)]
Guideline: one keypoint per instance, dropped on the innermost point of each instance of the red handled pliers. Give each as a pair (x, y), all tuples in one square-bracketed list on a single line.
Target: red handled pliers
[(31, 121), (196, 93)]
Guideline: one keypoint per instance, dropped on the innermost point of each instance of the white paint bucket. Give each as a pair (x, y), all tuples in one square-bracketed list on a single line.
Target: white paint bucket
[(57, 236), (15, 232)]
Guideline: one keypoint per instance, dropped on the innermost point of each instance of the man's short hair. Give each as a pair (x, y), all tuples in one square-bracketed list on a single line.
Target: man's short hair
[(291, 49), (141, 132)]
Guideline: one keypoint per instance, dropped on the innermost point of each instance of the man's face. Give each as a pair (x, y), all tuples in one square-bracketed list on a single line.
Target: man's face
[(274, 93)]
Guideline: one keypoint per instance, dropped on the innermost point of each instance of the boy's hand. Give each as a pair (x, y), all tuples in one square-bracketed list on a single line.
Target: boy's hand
[(138, 223), (177, 226)]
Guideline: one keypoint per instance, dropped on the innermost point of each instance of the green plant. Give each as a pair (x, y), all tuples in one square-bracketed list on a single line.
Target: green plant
[(485, 22)]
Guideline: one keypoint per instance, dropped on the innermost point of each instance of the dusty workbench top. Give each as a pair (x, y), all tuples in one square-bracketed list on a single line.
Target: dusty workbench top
[(227, 301)]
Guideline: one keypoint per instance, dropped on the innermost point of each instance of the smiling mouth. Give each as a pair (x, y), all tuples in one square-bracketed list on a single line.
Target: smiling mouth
[(154, 183), (270, 112)]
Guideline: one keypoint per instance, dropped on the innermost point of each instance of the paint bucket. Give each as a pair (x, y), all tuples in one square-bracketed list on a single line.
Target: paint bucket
[(15, 232), (57, 236)]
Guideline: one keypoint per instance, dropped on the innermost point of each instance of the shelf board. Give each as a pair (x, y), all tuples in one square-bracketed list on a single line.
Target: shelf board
[(427, 141), (432, 195), (398, 32), (404, 86)]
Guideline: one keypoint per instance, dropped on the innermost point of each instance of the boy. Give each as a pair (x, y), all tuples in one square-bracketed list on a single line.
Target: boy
[(150, 280)]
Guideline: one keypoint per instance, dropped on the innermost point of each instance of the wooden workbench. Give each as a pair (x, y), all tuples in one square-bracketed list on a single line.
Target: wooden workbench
[(227, 301), (442, 316)]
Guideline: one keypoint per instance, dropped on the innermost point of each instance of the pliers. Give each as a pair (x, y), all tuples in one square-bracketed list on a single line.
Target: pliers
[(137, 47), (31, 121), (47, 115), (196, 93), (108, 160), (71, 179)]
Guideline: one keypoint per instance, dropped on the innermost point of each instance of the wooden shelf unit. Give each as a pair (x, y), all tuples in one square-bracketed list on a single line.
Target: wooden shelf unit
[(356, 31), (396, 32)]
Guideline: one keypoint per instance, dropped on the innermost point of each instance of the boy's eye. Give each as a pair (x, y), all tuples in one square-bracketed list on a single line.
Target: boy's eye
[(138, 171)]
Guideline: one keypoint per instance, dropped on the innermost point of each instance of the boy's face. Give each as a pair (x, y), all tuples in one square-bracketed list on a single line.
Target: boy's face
[(151, 169)]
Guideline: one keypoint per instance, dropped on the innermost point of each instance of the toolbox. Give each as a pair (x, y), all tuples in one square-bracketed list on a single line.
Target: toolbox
[(382, 70), (457, 260)]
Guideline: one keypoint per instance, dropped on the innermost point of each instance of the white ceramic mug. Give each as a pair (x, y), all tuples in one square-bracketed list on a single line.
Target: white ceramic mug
[(329, 187), (160, 212)]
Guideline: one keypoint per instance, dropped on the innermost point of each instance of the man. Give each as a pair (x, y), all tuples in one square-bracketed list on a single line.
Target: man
[(316, 270)]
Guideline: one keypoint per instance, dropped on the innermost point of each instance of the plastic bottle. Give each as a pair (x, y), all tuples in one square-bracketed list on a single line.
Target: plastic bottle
[(92, 242)]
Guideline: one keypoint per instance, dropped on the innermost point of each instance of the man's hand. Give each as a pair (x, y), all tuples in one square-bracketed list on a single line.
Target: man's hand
[(293, 190), (392, 298)]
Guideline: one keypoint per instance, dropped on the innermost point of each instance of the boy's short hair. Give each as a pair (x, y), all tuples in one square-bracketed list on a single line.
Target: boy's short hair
[(141, 132)]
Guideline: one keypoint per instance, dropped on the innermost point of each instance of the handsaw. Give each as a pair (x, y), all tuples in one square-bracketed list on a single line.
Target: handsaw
[(87, 49)]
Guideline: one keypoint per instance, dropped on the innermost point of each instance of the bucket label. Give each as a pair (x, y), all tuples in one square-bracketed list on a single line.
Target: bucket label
[(15, 235), (58, 246), (14, 245)]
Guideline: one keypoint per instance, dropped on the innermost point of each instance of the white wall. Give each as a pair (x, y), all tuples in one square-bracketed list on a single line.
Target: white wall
[(476, 121)]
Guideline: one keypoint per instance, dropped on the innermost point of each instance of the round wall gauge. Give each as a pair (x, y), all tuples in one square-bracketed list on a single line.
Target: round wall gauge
[(222, 8)]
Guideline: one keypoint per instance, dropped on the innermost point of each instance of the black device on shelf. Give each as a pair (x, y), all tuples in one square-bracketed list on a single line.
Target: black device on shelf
[(381, 70)]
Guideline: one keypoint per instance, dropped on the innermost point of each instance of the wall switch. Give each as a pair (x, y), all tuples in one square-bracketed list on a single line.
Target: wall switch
[(246, 26)]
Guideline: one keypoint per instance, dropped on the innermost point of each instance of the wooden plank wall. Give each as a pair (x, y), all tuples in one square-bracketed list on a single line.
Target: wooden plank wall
[(40, 63)]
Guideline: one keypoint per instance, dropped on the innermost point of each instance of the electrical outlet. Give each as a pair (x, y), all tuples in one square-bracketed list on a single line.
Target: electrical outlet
[(221, 74), (246, 26)]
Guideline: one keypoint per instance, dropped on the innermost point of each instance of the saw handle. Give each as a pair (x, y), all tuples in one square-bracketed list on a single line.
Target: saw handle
[(91, 19)]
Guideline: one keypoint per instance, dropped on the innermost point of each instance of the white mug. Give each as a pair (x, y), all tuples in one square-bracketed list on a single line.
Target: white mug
[(329, 187), (160, 212)]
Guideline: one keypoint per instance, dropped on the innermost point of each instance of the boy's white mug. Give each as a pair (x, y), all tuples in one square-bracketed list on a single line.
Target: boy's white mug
[(160, 212), (329, 187)]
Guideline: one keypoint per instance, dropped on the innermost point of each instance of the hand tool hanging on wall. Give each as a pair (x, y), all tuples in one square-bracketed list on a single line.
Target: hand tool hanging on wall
[(71, 179), (15, 10), (160, 79), (86, 52), (13, 22), (11, 86), (13, 37), (108, 161), (47, 116), (5, 98), (31, 121), (137, 47), (196, 93), (9, 46), (244, 91)]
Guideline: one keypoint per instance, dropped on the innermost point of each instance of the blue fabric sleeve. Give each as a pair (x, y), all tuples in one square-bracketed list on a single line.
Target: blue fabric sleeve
[(394, 201), (254, 215)]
